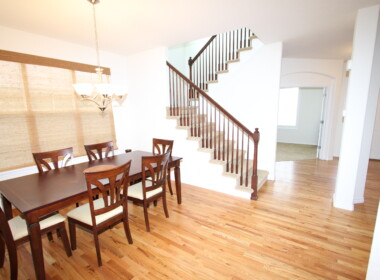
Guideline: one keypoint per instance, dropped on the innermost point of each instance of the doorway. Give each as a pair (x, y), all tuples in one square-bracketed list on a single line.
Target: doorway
[(300, 123)]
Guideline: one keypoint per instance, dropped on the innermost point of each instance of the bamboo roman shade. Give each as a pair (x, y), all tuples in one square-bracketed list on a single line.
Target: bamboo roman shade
[(40, 112)]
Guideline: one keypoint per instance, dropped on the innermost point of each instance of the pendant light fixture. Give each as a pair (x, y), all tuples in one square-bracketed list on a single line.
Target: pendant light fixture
[(99, 93)]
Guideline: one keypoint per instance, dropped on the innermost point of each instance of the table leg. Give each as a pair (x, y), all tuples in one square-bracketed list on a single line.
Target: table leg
[(36, 247), (7, 208), (177, 176)]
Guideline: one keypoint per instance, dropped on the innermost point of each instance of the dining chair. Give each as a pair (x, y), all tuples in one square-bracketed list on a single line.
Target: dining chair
[(45, 161), (99, 150), (14, 232), (109, 209), (162, 146), (147, 191)]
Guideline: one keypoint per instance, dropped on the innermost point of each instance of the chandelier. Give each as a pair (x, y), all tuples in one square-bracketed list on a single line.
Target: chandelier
[(99, 93)]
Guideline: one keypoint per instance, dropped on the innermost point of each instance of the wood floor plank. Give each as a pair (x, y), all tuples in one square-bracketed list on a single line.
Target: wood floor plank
[(291, 232)]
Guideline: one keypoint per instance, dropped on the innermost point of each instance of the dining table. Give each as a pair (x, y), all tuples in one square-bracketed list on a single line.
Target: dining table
[(38, 195)]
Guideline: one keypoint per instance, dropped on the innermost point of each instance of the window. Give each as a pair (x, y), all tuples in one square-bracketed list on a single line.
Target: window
[(40, 112), (288, 106)]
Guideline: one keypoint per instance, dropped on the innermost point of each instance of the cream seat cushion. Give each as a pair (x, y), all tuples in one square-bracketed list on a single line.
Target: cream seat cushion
[(83, 212), (104, 181), (19, 227), (136, 190)]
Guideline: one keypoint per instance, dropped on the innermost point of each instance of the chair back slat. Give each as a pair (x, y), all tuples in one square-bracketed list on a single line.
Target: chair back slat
[(162, 146), (156, 167), (42, 159), (95, 151), (111, 183)]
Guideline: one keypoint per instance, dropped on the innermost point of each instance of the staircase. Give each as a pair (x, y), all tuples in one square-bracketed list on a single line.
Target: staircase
[(227, 140), (216, 54)]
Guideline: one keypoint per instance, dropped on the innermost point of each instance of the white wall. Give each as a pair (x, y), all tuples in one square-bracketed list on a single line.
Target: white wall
[(327, 73), (144, 113), (179, 55), (29, 43), (308, 119), (249, 91)]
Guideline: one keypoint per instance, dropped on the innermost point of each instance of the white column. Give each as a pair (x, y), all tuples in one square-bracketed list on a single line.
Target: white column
[(362, 94)]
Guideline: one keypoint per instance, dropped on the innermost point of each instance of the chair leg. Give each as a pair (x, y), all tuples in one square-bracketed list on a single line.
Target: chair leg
[(65, 239), (155, 203), (127, 229), (97, 246), (164, 203), (170, 183), (146, 217), (2, 252), (73, 235), (12, 252)]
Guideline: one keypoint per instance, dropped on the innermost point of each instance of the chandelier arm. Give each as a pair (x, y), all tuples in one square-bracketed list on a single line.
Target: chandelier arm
[(92, 99), (106, 100)]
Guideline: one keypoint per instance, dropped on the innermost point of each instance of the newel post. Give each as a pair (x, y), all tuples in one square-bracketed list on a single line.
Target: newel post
[(254, 178)]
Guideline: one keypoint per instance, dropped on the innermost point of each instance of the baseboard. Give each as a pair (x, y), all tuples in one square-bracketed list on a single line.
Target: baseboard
[(358, 200), (344, 206)]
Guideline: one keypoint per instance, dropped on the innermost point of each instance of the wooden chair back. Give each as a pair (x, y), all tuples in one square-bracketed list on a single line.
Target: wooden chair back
[(155, 167), (111, 182), (95, 151), (42, 159), (162, 146)]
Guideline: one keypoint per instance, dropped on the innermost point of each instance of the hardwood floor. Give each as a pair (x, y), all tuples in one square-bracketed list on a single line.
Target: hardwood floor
[(291, 232)]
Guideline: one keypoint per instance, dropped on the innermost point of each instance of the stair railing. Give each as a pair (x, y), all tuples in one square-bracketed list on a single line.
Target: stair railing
[(230, 140), (215, 54)]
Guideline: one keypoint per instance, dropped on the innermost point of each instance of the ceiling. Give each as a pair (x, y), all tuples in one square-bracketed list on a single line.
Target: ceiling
[(308, 28)]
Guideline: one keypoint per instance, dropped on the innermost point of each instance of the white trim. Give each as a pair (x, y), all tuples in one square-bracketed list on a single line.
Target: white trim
[(344, 206), (358, 200)]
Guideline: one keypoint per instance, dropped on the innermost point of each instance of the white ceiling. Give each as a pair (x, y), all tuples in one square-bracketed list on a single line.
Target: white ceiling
[(308, 28)]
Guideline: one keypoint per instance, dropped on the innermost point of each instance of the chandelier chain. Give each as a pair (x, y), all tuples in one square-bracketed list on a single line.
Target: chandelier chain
[(96, 36)]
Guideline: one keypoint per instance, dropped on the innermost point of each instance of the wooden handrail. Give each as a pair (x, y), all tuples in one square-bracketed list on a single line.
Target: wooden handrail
[(191, 60), (212, 101)]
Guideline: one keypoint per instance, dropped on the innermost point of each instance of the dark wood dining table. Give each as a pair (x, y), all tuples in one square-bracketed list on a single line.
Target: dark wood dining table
[(38, 195)]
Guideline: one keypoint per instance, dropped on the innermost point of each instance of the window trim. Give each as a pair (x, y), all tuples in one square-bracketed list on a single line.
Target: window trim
[(51, 62)]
